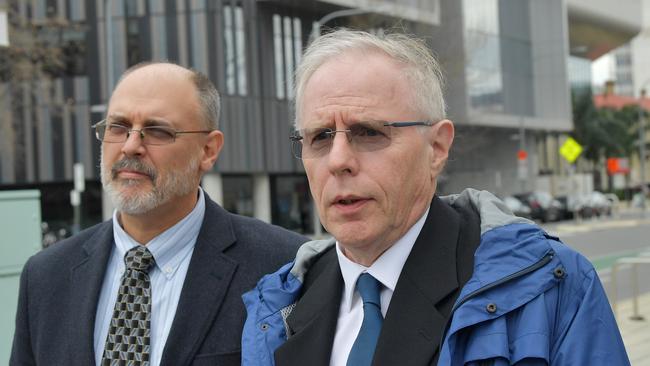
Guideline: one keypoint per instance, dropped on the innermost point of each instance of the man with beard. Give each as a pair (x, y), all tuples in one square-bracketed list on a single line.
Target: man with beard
[(160, 283)]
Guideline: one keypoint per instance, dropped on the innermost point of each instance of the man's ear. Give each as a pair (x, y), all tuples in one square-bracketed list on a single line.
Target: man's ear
[(211, 150), (441, 140)]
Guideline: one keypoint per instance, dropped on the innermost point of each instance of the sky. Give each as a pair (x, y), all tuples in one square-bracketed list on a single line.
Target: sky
[(602, 69)]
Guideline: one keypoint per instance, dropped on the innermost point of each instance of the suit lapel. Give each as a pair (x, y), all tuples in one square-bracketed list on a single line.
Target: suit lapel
[(87, 276), (208, 277), (313, 321), (421, 303)]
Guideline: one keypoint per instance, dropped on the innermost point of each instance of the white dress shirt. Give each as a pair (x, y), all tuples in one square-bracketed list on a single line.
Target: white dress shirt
[(172, 251), (386, 269)]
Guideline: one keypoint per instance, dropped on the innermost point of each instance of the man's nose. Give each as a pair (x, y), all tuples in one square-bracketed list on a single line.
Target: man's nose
[(134, 144), (342, 157)]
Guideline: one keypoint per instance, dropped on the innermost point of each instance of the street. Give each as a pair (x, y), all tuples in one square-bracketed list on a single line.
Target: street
[(606, 240)]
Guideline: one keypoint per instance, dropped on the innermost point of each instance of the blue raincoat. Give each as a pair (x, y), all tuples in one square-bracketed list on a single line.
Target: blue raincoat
[(530, 301)]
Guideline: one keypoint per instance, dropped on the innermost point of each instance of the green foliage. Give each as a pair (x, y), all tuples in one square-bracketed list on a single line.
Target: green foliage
[(605, 131)]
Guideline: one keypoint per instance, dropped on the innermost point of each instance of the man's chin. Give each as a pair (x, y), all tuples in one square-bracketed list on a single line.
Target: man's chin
[(353, 235), (129, 183), (135, 206)]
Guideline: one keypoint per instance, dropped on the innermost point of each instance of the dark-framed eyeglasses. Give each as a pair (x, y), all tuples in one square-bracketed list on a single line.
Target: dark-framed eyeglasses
[(310, 143), (106, 131)]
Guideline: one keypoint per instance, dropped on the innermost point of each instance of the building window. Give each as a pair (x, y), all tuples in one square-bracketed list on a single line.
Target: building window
[(198, 39), (291, 203), (133, 14), (238, 194), (287, 48), (234, 36), (483, 54)]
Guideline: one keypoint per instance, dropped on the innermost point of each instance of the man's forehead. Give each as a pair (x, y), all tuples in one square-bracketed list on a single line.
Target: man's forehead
[(157, 74)]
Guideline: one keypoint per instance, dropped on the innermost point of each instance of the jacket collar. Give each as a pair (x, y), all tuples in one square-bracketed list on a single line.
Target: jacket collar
[(87, 276), (312, 323), (208, 277), (414, 322), (417, 316)]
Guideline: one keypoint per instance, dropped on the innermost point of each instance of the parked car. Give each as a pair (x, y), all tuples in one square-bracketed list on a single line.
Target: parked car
[(53, 232), (599, 204), (571, 205), (543, 206), (517, 207), (594, 204)]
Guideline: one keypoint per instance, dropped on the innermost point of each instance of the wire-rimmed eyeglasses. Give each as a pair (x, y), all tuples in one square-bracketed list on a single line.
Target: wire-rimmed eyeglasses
[(309, 143), (151, 135)]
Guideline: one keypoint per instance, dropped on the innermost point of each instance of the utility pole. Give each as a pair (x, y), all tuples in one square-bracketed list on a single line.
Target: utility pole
[(644, 188), (522, 156), (107, 205)]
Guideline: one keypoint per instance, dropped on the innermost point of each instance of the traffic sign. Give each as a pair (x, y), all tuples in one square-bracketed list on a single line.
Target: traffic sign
[(618, 166), (570, 150), (522, 155)]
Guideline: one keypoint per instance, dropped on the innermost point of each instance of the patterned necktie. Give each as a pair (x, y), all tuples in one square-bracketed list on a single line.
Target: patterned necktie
[(128, 339), (363, 348)]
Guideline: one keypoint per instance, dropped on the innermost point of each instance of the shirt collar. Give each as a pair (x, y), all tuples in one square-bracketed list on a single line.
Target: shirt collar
[(386, 269), (171, 246)]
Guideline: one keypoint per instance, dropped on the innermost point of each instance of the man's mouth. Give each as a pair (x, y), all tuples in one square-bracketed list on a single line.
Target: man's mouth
[(132, 169), (349, 200)]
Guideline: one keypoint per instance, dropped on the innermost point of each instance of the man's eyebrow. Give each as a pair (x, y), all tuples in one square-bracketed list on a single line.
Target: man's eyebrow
[(157, 122), (147, 122), (116, 118)]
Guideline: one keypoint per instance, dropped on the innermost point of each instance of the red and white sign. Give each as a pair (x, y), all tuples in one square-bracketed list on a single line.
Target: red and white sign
[(618, 166)]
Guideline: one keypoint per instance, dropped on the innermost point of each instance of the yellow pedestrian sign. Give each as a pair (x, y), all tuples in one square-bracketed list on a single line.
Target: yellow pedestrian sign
[(570, 150)]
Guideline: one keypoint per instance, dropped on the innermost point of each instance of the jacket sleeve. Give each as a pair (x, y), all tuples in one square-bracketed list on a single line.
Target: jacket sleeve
[(590, 336), (21, 352)]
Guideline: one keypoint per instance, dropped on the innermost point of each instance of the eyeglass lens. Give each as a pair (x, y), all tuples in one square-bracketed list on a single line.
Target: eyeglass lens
[(151, 135), (363, 137)]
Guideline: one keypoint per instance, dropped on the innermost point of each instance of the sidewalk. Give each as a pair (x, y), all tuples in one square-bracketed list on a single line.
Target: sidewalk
[(636, 333)]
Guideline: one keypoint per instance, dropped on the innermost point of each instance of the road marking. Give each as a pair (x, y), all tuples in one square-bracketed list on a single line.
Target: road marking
[(607, 261)]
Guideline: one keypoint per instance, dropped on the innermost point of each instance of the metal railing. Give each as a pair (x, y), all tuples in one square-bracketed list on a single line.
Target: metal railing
[(634, 262)]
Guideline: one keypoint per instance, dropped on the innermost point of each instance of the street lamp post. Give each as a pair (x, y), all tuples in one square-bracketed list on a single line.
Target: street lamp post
[(107, 205), (644, 188)]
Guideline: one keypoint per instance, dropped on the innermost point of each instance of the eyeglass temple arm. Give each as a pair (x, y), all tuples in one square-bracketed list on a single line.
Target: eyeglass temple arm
[(407, 124)]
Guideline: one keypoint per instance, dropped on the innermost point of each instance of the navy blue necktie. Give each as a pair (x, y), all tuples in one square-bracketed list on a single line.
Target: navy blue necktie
[(363, 348)]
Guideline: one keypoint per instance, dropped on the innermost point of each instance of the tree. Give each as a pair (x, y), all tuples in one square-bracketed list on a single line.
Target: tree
[(604, 131)]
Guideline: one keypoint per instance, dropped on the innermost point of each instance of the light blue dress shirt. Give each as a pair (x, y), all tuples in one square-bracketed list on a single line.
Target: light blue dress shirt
[(172, 251)]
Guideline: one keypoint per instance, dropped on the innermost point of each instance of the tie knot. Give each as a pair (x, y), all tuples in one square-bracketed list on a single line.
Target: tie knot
[(369, 289), (139, 258)]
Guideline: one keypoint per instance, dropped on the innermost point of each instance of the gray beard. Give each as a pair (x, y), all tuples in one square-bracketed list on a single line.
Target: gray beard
[(164, 187)]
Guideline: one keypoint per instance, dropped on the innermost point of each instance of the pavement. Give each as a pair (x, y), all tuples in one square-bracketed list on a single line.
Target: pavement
[(635, 331)]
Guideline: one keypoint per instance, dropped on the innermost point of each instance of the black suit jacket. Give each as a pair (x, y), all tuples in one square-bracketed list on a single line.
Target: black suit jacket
[(440, 262), (60, 288)]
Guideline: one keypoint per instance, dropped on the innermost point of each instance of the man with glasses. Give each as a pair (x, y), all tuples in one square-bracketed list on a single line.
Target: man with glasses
[(411, 278), (160, 283)]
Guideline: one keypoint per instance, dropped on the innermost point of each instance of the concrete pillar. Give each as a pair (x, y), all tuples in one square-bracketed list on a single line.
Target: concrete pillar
[(262, 197), (213, 186), (107, 206)]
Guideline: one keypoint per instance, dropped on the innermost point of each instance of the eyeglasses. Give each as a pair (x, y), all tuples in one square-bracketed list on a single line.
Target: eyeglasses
[(150, 135), (309, 143)]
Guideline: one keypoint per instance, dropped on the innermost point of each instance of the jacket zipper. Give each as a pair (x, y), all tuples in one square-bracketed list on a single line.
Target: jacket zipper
[(532, 268)]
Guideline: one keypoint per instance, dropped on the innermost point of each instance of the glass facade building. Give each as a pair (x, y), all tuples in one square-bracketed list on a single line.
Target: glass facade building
[(505, 64)]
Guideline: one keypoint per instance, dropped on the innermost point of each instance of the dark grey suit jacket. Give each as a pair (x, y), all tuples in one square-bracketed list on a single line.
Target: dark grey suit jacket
[(439, 264), (60, 287)]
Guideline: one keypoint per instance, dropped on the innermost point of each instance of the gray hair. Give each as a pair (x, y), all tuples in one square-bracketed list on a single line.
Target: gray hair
[(208, 96), (420, 66)]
